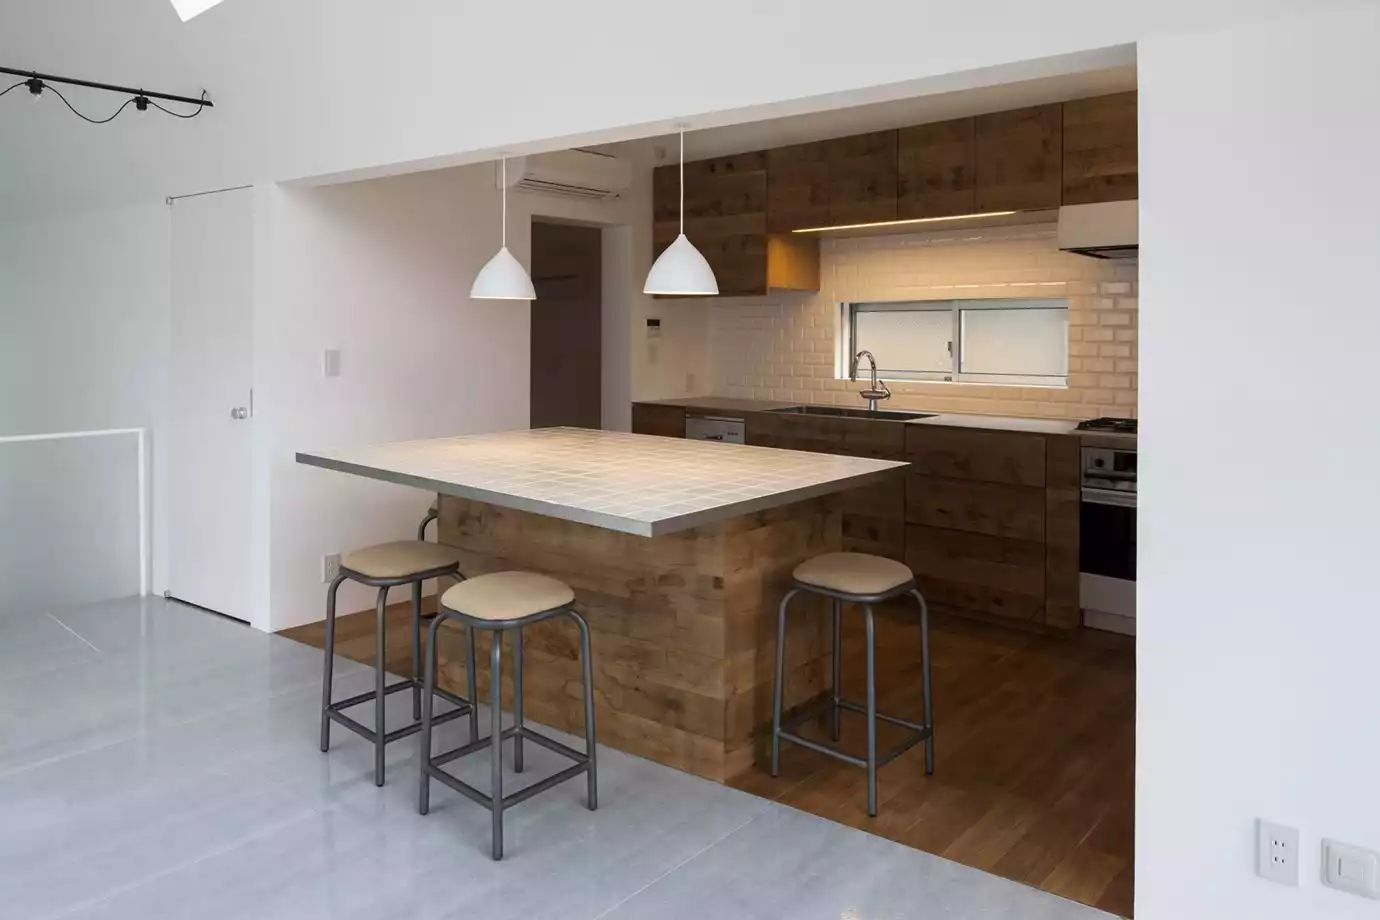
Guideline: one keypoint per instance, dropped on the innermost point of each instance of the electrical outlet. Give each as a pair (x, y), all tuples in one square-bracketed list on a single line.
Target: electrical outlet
[(1277, 853), (330, 568), (1351, 869)]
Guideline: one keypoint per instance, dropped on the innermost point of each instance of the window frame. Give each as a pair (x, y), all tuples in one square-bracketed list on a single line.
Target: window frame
[(849, 310)]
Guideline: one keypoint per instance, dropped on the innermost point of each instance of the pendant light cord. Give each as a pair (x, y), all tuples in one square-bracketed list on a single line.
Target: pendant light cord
[(682, 182), (504, 167)]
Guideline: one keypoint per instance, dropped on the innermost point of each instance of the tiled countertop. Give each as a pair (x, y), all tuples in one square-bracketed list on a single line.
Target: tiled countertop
[(637, 484), (729, 404)]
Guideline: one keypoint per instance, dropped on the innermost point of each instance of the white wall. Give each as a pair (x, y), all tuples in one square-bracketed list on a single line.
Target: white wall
[(337, 86), (84, 308), (1259, 694), (381, 270)]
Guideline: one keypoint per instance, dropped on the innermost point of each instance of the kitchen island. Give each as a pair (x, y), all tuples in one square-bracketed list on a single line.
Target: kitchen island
[(678, 552)]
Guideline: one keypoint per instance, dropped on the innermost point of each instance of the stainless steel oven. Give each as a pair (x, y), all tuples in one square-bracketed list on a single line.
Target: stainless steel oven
[(1107, 538)]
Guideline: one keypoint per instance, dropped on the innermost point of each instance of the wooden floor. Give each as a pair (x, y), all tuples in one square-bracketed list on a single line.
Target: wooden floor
[(1035, 751)]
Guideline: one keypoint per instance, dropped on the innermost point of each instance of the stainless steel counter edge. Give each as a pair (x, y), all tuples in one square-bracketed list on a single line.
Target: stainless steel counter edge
[(596, 519)]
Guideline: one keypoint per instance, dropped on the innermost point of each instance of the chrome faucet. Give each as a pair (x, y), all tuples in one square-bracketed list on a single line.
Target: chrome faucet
[(877, 389)]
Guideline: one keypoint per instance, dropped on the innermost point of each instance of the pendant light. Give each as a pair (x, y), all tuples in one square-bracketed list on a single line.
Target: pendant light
[(681, 269), (503, 277)]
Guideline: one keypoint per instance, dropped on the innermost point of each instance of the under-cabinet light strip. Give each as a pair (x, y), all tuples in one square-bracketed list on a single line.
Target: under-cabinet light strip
[(899, 223)]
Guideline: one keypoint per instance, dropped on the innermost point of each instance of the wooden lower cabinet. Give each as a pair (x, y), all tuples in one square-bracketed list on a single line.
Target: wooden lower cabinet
[(977, 507), (651, 418), (987, 520)]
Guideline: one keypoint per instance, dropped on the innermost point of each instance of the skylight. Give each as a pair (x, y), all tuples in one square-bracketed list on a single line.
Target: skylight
[(189, 8)]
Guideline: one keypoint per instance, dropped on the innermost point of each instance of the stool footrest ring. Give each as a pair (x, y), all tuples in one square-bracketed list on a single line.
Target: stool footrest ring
[(433, 766)]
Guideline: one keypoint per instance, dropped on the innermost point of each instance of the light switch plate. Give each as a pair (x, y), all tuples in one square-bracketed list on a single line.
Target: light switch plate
[(1277, 853), (1351, 869), (330, 363)]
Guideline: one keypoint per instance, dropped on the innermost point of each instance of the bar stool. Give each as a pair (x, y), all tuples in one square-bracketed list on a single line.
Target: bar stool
[(855, 578), (385, 566), (501, 602)]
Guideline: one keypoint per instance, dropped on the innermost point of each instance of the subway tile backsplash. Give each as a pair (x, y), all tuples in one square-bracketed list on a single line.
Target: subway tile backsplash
[(783, 346)]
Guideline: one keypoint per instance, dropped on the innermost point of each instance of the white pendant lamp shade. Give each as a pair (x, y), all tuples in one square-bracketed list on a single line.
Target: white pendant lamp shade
[(503, 277), (681, 268)]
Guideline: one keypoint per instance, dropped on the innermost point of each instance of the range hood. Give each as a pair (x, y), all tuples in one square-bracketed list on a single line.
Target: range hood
[(1106, 230)]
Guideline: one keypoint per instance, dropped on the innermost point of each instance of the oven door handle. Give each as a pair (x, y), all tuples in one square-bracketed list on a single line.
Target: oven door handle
[(1109, 497)]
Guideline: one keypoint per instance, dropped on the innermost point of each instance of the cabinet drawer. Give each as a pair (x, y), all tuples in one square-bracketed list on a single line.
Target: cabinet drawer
[(668, 421), (885, 499), (984, 456), (961, 598), (1017, 512), (1012, 566), (847, 437)]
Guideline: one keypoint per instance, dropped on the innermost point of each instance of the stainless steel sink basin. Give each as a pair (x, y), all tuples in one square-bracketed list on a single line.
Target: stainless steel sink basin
[(888, 415)]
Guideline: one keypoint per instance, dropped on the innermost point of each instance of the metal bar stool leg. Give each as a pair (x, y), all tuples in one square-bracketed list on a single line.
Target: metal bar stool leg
[(424, 785), (380, 701), (838, 670), (328, 671), (587, 672), (416, 650), (871, 713), (776, 686), (925, 679), (517, 700), (496, 741), (471, 682)]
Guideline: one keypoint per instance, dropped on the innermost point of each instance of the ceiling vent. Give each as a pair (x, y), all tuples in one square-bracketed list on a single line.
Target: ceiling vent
[(571, 174)]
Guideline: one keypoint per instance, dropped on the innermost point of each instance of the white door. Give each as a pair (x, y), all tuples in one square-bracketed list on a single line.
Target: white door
[(210, 404)]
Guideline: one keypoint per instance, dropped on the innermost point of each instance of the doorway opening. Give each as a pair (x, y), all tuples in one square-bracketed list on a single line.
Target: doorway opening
[(566, 339)]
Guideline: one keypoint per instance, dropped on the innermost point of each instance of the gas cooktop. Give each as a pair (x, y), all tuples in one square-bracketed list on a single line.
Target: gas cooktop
[(1118, 425)]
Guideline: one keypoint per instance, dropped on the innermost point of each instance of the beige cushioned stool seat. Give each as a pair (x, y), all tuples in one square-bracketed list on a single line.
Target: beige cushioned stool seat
[(853, 573), (507, 595), (399, 559)]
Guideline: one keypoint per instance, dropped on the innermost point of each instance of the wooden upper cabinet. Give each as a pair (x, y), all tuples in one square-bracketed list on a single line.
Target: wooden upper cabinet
[(1100, 162), (1019, 157), (797, 187), (936, 174), (862, 178), (725, 217)]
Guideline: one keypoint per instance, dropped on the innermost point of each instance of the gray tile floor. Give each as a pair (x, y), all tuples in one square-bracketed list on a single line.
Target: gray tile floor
[(160, 762)]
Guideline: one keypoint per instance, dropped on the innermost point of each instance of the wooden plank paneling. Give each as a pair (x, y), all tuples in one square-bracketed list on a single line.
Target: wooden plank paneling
[(977, 507), (848, 437), (1015, 566), (936, 174), (725, 217), (667, 421), (862, 178), (669, 617), (1062, 498), (1019, 156), (986, 456), (1100, 157), (797, 187)]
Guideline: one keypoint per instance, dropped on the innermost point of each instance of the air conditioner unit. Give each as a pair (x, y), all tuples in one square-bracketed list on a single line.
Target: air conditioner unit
[(571, 174)]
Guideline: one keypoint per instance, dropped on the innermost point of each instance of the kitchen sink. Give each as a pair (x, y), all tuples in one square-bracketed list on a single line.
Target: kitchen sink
[(888, 415)]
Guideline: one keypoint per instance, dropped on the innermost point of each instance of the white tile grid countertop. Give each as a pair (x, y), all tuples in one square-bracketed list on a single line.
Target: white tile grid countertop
[(638, 484)]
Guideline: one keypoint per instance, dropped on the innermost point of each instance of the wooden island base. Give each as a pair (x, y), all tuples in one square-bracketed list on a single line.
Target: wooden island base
[(683, 626)]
